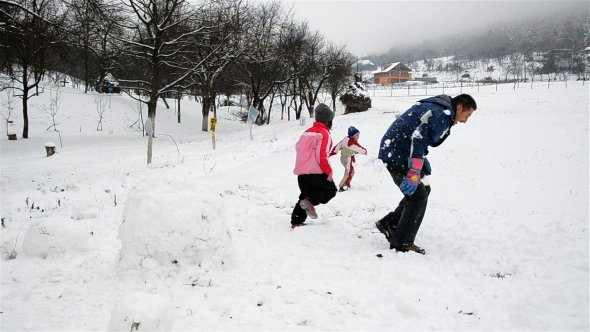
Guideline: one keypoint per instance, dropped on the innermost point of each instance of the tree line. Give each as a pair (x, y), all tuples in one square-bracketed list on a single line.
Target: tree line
[(160, 49)]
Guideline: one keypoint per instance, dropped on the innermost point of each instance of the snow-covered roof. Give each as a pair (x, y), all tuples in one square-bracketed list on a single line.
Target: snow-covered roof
[(365, 62), (390, 67), (393, 65)]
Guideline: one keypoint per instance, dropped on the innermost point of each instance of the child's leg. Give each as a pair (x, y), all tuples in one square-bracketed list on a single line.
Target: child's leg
[(320, 190), (299, 215), (346, 163), (350, 175)]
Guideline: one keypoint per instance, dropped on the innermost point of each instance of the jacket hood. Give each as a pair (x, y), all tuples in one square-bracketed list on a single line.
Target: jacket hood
[(442, 100)]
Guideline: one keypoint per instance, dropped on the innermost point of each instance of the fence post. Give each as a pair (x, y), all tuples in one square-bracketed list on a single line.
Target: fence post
[(408, 90)]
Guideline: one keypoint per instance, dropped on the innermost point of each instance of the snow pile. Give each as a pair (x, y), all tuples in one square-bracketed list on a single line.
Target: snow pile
[(173, 222), (142, 312), (55, 238)]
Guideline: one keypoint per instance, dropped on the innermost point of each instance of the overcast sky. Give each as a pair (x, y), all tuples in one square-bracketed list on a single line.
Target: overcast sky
[(373, 27)]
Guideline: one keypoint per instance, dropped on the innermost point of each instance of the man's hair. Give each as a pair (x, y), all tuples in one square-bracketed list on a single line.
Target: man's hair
[(466, 100)]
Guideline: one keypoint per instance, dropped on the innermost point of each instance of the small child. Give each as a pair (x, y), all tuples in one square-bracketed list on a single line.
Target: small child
[(348, 147), (313, 170)]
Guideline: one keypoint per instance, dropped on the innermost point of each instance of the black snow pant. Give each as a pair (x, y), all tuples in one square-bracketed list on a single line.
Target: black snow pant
[(317, 189), (407, 217)]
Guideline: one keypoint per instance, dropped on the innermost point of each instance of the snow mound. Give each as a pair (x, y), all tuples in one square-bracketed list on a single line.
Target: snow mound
[(142, 312), (55, 238), (173, 221)]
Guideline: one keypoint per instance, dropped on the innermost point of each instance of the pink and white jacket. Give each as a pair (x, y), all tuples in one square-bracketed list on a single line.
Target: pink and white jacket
[(313, 148)]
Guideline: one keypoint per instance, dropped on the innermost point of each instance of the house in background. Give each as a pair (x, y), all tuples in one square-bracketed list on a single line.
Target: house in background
[(393, 73)]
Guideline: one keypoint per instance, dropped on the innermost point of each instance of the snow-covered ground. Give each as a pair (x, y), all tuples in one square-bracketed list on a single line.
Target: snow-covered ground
[(201, 240)]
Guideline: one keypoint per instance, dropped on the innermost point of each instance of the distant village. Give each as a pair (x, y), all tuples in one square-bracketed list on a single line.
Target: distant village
[(398, 72)]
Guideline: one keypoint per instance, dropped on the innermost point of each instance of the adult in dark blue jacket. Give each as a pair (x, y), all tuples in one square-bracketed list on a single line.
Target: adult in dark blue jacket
[(403, 150)]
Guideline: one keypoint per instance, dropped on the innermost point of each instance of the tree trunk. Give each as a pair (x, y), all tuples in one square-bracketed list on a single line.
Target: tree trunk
[(272, 98), (334, 102), (179, 98), (25, 103), (152, 107), (86, 75), (25, 114), (205, 111)]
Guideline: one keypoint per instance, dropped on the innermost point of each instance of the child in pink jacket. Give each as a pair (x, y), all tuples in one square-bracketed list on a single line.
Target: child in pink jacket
[(348, 147), (314, 173)]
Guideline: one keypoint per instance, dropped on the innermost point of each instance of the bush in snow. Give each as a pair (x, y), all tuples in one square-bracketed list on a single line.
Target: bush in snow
[(54, 238), (142, 312), (173, 222), (356, 98)]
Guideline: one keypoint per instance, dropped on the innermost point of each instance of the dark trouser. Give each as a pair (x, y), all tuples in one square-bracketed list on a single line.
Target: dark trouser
[(317, 189), (407, 217)]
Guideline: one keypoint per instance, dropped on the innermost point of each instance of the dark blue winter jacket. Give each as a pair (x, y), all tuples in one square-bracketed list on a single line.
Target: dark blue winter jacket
[(427, 123)]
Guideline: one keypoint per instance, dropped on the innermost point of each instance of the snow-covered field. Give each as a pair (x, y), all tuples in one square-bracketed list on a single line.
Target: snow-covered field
[(201, 240)]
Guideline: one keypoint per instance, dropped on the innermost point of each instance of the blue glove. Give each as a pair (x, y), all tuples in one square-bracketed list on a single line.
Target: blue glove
[(407, 186), (412, 179)]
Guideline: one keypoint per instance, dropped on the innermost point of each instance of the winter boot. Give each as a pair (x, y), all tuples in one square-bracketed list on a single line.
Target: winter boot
[(411, 247), (308, 207), (383, 229), (293, 226)]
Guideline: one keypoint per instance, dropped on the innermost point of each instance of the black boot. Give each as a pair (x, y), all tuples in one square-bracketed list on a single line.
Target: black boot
[(382, 229)]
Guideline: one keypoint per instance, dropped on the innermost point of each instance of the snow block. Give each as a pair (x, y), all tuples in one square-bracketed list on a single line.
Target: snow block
[(142, 312), (55, 238), (173, 222)]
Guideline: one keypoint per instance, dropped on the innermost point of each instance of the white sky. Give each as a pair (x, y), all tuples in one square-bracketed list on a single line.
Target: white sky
[(369, 27)]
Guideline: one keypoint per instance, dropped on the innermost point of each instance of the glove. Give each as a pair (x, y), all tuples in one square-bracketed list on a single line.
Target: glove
[(412, 179)]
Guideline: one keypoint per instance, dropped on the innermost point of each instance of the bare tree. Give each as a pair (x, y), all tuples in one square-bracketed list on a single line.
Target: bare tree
[(221, 46), (263, 65), (101, 107), (90, 29), (515, 66), (157, 35), (31, 29), (339, 70), (52, 107), (7, 102)]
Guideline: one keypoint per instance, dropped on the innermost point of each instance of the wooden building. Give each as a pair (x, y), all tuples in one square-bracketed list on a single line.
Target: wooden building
[(393, 73)]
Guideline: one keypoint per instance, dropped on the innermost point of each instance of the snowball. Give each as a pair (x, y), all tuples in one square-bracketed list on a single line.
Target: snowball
[(173, 221), (148, 312), (54, 238), (378, 165)]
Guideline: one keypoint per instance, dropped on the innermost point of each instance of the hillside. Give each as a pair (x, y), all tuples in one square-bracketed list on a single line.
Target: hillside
[(94, 239)]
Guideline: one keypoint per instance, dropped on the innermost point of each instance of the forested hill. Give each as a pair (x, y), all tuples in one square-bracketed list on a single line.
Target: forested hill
[(570, 30)]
